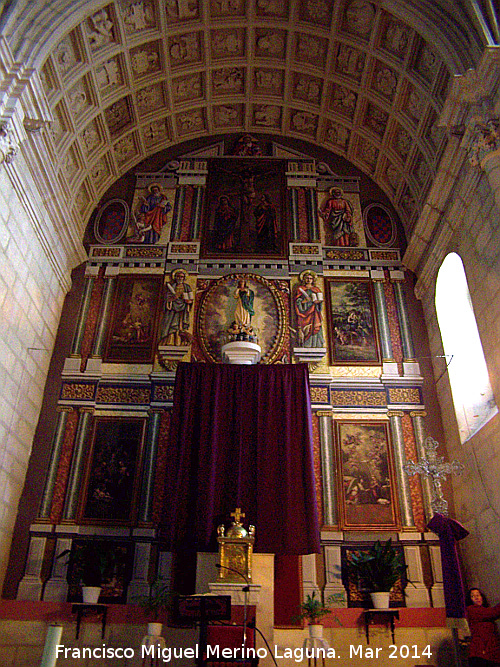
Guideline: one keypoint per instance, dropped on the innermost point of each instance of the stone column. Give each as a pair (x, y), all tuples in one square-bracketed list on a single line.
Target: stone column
[(294, 208), (335, 592), (51, 479), (30, 586), (139, 584), (402, 478), (56, 588), (419, 431), (410, 364), (416, 592), (90, 276), (309, 576), (196, 211), (328, 468), (148, 475), (389, 366), (77, 465), (437, 588), (105, 310)]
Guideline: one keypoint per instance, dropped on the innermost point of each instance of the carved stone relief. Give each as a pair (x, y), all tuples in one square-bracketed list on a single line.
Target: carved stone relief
[(343, 100), (407, 202), (146, 59), (118, 116), (270, 43), (190, 121), (78, 99), (350, 61), (138, 15), (100, 173), (367, 153), (228, 80), (269, 81), (109, 74), (376, 119), (228, 115), (227, 8), (185, 49), (66, 55), (421, 171), (393, 176), (307, 88), (182, 10), (228, 43), (188, 87), (100, 29), (311, 49), (150, 99), (427, 63), (304, 122), (359, 18), (402, 143), (337, 134), (275, 8), (267, 115), (58, 128), (69, 165), (125, 149), (156, 132), (396, 37), (82, 200), (316, 11), (91, 138), (385, 81), (415, 103)]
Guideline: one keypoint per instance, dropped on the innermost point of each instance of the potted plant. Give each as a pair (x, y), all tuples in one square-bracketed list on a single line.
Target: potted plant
[(313, 610), (91, 563), (154, 605), (378, 568)]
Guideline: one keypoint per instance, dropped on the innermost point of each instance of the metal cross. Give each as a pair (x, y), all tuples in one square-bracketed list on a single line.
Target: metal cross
[(237, 514), (433, 466)]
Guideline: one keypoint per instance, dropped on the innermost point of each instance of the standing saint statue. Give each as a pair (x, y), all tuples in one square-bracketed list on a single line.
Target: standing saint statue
[(177, 306)]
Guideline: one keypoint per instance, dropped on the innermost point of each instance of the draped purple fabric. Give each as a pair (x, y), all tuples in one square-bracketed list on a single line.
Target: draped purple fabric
[(241, 436), (449, 532)]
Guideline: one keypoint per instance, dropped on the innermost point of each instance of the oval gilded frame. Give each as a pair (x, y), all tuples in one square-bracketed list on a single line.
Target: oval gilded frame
[(216, 310)]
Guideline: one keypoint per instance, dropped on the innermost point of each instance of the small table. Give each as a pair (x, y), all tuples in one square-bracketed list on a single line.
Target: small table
[(384, 616), (315, 643), (86, 609)]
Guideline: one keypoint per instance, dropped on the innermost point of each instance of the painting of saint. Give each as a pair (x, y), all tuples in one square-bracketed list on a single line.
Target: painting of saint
[(133, 325), (353, 336), (367, 487), (244, 213), (308, 304), (177, 305), (337, 212), (151, 216)]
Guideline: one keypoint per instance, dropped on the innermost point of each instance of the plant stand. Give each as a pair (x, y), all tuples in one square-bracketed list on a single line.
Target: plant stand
[(84, 609), (158, 643), (380, 616), (313, 644)]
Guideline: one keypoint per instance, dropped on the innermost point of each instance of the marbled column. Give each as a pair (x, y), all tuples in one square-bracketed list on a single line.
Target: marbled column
[(419, 431), (103, 318), (402, 478), (328, 468), (82, 317), (180, 194), (404, 325), (148, 476), (196, 212), (77, 465), (312, 206), (57, 444), (294, 207), (383, 321)]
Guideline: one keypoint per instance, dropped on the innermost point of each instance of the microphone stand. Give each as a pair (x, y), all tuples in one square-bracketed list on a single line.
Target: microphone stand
[(246, 590)]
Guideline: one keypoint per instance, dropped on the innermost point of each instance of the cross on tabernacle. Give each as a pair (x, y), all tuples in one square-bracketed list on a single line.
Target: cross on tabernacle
[(433, 466), (238, 514)]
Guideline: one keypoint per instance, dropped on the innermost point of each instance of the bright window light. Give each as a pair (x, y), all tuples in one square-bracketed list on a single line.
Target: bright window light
[(470, 384)]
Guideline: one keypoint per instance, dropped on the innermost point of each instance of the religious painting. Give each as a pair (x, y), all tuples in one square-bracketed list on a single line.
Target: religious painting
[(117, 559), (358, 591), (178, 299), (132, 330), (113, 471), (152, 210), (367, 493), (353, 335), (379, 225), (112, 222), (340, 212), (245, 211), (308, 310), (242, 307)]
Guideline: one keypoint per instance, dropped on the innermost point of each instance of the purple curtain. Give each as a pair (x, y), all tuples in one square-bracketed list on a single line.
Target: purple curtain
[(241, 436)]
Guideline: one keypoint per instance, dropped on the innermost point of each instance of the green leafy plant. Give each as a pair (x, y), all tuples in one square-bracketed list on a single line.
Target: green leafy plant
[(91, 563), (313, 609), (157, 602), (378, 567)]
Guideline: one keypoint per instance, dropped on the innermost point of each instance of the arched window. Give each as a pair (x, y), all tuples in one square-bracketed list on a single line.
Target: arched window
[(470, 384)]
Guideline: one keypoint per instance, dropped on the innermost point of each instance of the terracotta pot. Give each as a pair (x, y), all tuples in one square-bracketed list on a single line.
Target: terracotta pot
[(316, 631), (380, 600), (90, 594)]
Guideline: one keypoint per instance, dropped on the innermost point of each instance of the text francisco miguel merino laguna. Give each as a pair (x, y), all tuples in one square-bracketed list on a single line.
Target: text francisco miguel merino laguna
[(215, 652)]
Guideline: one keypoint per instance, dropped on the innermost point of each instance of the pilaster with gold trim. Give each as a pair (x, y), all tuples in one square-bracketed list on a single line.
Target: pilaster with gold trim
[(56, 449), (418, 422), (90, 277), (328, 467), (105, 310), (149, 469), (77, 465), (389, 365)]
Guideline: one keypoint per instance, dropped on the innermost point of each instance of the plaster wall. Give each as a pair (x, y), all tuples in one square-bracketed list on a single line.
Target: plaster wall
[(476, 498), (31, 298)]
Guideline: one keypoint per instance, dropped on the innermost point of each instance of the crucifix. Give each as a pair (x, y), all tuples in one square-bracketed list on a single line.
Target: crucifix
[(238, 514), (433, 466)]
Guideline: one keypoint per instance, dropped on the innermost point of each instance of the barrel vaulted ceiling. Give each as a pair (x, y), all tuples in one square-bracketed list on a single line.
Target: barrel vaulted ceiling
[(362, 78)]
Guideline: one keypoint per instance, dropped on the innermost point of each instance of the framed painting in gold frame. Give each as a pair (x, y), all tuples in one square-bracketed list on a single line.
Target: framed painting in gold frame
[(367, 492), (352, 322), (112, 476)]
